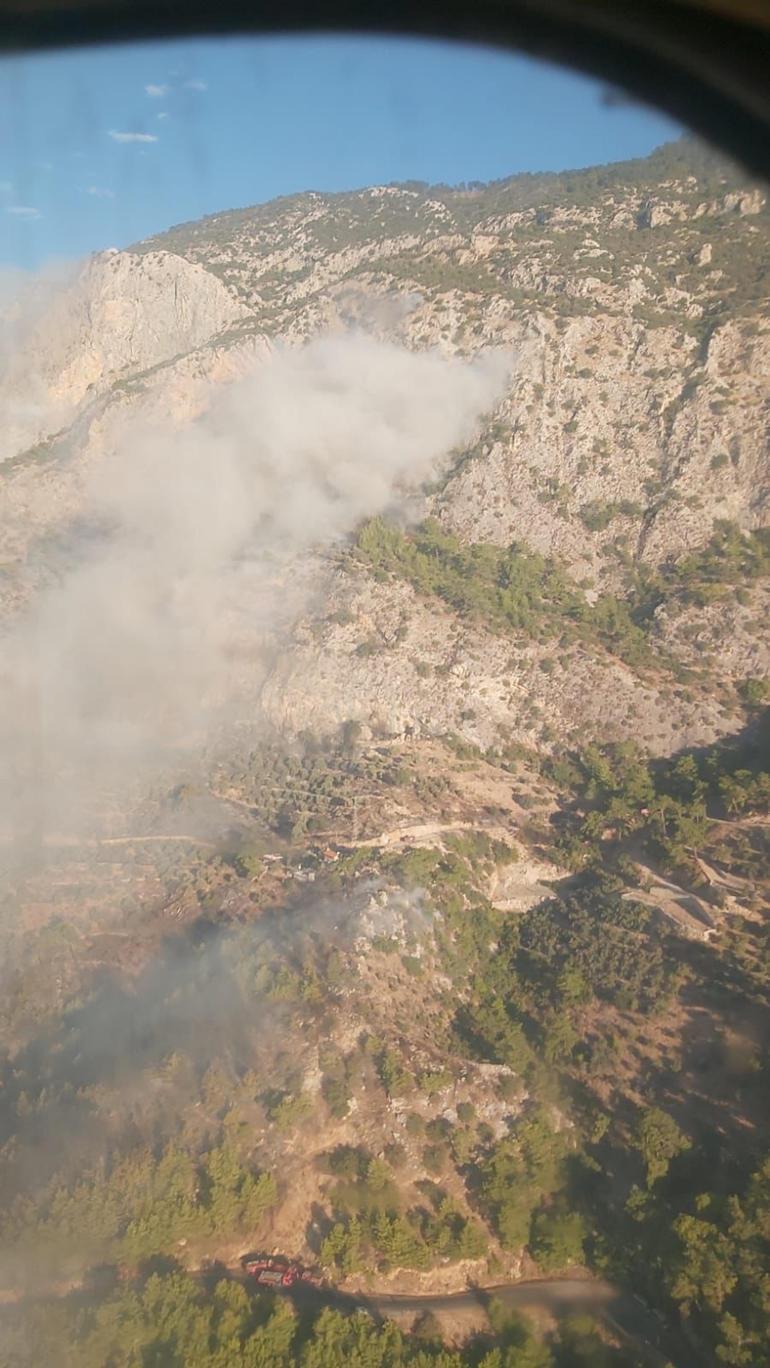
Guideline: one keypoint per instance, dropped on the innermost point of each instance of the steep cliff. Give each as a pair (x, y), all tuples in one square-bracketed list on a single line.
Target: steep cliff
[(632, 301)]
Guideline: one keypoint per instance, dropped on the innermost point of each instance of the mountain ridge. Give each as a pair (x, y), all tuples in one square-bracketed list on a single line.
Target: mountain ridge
[(385, 588), (634, 305)]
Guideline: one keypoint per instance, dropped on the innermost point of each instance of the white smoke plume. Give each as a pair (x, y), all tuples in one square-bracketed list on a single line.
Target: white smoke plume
[(188, 552), (28, 305)]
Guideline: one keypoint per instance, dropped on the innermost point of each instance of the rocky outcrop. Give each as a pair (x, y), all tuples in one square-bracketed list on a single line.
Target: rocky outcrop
[(635, 418), (404, 667), (122, 315)]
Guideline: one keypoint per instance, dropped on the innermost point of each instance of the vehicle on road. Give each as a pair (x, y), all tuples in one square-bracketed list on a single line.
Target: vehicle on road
[(277, 1272)]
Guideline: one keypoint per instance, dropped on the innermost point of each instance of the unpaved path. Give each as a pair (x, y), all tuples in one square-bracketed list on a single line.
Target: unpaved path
[(424, 831), (67, 842), (624, 1313)]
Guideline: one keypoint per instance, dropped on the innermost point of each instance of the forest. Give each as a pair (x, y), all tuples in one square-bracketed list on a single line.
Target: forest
[(173, 1321), (599, 1162), (634, 1187), (517, 590)]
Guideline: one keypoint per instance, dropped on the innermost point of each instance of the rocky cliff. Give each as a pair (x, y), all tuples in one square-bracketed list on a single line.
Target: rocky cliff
[(633, 300)]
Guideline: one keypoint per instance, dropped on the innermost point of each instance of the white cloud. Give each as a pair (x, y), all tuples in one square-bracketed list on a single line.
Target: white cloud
[(163, 114), (6, 187), (156, 92), (100, 192), (196, 85), (132, 137), (23, 211)]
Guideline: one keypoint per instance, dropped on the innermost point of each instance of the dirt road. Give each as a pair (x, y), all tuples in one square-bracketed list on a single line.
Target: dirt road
[(636, 1323), (559, 1296), (626, 1314)]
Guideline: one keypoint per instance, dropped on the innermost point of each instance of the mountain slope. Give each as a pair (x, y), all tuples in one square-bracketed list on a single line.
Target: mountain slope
[(428, 941), (632, 300)]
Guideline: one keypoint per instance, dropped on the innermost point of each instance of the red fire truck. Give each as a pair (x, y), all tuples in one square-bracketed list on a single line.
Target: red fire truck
[(273, 1271)]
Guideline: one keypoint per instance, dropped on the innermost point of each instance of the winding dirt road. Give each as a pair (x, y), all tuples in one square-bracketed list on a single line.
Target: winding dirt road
[(626, 1314), (636, 1323)]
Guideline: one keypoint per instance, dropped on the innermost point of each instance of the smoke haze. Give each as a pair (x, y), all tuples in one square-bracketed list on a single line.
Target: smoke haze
[(186, 558), (194, 552)]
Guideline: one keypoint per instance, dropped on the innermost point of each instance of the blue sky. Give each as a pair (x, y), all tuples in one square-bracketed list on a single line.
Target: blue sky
[(101, 147)]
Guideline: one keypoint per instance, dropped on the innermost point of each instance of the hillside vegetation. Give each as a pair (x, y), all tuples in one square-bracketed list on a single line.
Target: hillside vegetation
[(444, 962)]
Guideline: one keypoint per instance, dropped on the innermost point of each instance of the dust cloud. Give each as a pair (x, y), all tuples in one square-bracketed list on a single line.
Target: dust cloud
[(196, 550)]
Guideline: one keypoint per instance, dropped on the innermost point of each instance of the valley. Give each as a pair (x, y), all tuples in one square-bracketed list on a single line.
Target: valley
[(385, 872)]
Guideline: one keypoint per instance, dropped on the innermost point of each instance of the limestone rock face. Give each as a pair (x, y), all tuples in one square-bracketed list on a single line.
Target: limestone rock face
[(127, 313), (436, 678), (632, 303), (122, 314)]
